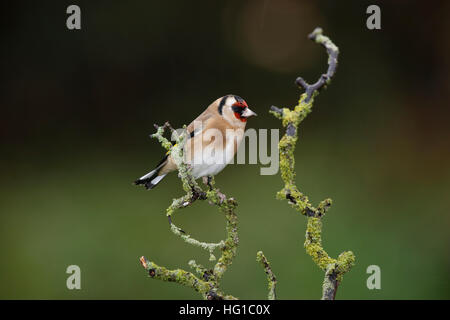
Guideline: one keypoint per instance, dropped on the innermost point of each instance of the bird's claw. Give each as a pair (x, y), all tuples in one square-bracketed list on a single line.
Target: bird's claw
[(207, 181)]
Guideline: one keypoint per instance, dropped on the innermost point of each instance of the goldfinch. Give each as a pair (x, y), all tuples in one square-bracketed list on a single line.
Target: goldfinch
[(213, 139)]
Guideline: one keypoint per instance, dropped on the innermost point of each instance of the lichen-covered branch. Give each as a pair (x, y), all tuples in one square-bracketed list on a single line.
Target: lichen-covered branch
[(208, 282), (180, 276), (271, 279), (291, 118)]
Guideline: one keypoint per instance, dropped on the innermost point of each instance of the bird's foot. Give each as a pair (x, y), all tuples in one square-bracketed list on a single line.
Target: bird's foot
[(221, 196), (208, 182)]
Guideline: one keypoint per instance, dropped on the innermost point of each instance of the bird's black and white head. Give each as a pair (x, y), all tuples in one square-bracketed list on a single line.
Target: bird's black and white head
[(234, 109)]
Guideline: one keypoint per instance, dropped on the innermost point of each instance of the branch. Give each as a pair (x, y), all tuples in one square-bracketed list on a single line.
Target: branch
[(324, 79), (334, 268), (208, 285), (180, 276), (271, 280)]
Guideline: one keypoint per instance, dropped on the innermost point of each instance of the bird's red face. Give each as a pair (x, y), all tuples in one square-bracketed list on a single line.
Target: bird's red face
[(241, 109)]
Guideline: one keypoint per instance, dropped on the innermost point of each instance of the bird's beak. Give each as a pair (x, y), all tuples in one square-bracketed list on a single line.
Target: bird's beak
[(248, 113)]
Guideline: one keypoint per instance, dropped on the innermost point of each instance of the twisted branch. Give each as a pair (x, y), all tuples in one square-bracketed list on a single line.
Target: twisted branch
[(334, 268), (208, 284)]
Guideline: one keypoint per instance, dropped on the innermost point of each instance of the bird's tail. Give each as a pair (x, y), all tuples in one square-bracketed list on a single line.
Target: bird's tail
[(151, 179)]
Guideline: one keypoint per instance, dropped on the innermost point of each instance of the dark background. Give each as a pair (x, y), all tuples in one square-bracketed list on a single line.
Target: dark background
[(77, 108)]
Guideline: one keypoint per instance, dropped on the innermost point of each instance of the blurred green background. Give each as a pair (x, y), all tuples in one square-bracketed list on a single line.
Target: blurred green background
[(78, 106)]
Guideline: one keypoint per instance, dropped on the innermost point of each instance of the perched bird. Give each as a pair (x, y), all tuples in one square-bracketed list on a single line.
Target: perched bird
[(210, 146)]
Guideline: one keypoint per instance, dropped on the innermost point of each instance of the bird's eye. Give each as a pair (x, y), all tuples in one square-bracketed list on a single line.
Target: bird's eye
[(237, 109)]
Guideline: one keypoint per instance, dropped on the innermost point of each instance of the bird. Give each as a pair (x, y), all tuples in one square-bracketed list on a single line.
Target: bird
[(209, 147)]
